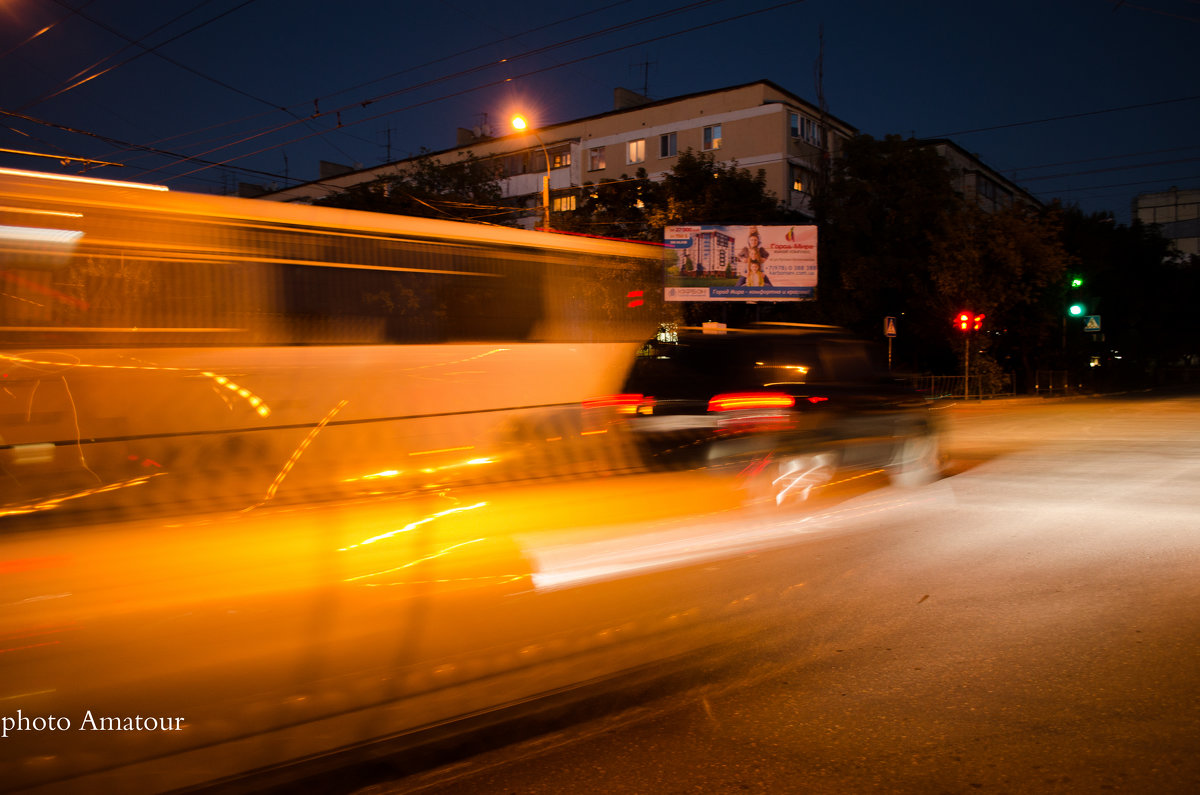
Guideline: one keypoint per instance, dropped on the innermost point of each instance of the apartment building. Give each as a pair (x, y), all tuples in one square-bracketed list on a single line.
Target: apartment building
[(758, 125), (974, 180), (1176, 213)]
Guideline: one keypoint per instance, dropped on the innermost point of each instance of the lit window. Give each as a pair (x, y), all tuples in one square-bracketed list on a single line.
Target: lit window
[(712, 137), (666, 145), (797, 179), (635, 151), (561, 158), (562, 204), (596, 159)]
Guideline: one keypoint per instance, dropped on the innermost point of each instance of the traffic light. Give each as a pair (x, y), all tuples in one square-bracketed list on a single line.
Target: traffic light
[(1076, 309), (966, 321)]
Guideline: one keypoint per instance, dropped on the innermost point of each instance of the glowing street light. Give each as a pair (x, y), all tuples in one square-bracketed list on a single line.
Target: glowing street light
[(520, 123)]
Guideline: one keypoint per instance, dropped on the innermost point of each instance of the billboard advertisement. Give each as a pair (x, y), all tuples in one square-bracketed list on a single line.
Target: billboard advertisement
[(741, 263)]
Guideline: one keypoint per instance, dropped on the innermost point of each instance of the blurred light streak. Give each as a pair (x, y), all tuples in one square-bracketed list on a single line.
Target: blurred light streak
[(49, 292), (257, 403), (414, 525), (567, 565), (444, 450), (38, 235), (433, 556), (12, 172), (54, 502), (31, 211), (299, 451), (78, 432)]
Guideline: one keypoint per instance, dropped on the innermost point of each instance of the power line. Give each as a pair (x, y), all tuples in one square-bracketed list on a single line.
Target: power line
[(1069, 116), (358, 105), (503, 81)]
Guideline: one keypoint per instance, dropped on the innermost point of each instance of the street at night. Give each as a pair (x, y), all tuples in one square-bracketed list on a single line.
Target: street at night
[(1027, 624)]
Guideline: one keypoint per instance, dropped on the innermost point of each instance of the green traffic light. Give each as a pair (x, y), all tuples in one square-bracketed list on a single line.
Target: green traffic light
[(1076, 310), (1077, 282)]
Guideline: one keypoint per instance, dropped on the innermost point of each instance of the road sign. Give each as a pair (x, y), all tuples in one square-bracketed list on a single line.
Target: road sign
[(1091, 323), (889, 326)]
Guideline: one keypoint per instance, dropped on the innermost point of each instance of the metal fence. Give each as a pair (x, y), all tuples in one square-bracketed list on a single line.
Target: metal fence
[(1052, 382), (953, 386)]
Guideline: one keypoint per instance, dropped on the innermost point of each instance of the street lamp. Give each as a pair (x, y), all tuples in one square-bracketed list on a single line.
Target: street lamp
[(519, 123)]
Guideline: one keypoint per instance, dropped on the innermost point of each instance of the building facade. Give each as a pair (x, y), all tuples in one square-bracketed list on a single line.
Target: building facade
[(1176, 213), (756, 125)]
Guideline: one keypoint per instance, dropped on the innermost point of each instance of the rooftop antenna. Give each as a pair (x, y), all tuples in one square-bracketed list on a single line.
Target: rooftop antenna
[(645, 66)]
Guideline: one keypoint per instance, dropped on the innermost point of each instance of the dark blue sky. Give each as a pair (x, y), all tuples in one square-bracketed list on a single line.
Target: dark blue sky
[(1091, 101)]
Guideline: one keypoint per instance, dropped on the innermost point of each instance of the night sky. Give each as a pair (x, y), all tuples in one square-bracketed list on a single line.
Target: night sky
[(1090, 101)]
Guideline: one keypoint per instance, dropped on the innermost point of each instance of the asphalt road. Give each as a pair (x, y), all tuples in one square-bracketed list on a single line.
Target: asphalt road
[(1030, 623)]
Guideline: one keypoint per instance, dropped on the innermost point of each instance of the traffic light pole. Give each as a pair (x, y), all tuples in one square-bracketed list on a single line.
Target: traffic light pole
[(967, 366)]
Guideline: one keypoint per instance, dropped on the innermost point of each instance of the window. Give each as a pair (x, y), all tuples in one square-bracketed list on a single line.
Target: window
[(562, 204), (712, 137), (635, 151), (797, 178), (666, 145), (560, 158), (596, 159), (806, 129)]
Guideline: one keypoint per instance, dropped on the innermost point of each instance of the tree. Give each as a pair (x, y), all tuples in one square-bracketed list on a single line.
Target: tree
[(884, 206), (699, 190), (467, 189), (1009, 265), (896, 239), (1141, 288), (615, 208)]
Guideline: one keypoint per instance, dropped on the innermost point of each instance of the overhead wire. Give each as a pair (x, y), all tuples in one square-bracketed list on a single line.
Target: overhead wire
[(474, 69), (502, 81), (315, 102)]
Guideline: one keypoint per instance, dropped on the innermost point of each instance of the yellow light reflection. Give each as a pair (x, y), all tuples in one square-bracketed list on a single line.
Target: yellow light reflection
[(257, 403), (299, 451), (433, 556), (54, 502), (414, 525), (12, 172)]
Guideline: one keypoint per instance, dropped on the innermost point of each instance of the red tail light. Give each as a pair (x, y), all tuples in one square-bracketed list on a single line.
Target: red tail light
[(740, 401), (624, 404)]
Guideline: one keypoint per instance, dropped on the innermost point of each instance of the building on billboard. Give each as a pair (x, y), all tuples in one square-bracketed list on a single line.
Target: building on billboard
[(741, 263)]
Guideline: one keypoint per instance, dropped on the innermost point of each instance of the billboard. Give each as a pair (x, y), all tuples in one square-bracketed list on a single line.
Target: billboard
[(741, 263)]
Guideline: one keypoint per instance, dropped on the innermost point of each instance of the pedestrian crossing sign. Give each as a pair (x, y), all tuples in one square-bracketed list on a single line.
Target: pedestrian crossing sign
[(889, 326), (1091, 323)]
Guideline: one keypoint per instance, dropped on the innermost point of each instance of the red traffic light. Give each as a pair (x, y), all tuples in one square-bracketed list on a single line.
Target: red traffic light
[(968, 322)]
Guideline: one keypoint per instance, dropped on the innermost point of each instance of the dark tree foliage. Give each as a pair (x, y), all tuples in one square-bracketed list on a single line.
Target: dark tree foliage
[(467, 189), (897, 240), (885, 205), (697, 190), (614, 208), (1143, 291)]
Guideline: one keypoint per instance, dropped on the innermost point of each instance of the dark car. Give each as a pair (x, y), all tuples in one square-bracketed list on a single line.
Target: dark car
[(786, 406)]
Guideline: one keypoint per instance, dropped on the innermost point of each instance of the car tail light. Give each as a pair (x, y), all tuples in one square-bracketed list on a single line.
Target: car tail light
[(623, 404), (741, 401)]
